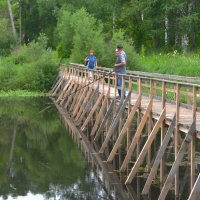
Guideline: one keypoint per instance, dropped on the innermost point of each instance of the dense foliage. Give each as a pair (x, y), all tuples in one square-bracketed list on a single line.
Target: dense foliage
[(73, 27)]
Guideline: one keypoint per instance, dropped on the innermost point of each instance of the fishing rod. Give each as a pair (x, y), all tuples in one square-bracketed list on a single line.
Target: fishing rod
[(91, 83), (105, 73)]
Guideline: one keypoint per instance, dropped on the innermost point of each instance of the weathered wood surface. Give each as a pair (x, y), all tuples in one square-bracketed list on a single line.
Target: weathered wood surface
[(124, 148)]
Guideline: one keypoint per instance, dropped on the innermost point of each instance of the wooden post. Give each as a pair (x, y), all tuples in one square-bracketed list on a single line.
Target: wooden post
[(145, 148), (179, 157), (193, 143), (176, 138), (159, 157), (136, 137), (162, 163)]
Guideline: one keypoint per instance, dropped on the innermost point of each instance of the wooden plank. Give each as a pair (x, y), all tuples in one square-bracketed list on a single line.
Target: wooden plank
[(136, 136), (100, 115), (70, 95), (72, 83), (114, 123), (88, 105), (56, 85), (124, 129), (176, 136), (195, 193), (56, 90), (84, 103), (175, 166), (63, 91), (81, 99), (76, 99), (104, 120), (144, 151), (159, 156), (92, 112)]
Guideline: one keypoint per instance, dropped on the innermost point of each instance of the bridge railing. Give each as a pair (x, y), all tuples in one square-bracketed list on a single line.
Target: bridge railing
[(164, 86)]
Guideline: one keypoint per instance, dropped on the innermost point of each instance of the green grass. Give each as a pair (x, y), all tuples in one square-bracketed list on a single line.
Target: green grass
[(177, 64), (21, 93)]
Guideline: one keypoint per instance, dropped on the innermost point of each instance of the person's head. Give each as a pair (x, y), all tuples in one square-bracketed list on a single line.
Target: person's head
[(120, 47), (117, 52), (91, 52)]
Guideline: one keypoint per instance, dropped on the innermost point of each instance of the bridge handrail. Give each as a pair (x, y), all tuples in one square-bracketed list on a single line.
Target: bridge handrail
[(150, 76)]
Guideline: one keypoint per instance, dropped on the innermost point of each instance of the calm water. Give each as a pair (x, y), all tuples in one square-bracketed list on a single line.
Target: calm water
[(38, 159)]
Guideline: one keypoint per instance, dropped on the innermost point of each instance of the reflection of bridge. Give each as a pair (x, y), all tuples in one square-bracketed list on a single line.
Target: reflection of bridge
[(153, 131)]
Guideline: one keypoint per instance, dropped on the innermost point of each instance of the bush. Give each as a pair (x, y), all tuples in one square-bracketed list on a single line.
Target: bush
[(30, 68)]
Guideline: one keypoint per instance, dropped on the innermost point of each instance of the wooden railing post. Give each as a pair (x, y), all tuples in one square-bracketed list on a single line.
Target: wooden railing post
[(176, 137), (193, 142), (162, 163)]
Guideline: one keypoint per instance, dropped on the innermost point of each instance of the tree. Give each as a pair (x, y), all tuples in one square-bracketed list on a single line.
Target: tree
[(12, 20)]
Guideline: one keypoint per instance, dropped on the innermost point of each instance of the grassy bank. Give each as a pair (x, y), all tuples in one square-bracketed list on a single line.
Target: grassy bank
[(183, 65), (21, 93)]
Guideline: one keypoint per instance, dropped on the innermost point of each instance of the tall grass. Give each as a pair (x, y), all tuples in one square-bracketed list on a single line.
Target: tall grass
[(183, 65)]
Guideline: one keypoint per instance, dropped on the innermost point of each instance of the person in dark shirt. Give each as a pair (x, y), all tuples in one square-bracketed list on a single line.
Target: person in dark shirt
[(120, 68)]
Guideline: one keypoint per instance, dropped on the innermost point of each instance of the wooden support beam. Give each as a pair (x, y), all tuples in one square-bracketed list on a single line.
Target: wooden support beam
[(100, 115), (92, 112), (70, 95), (76, 99), (148, 143), (72, 83), (88, 105), (80, 101), (124, 129), (114, 123), (195, 193), (175, 166), (193, 143), (159, 156), (84, 103), (58, 86), (136, 136), (63, 91), (104, 120)]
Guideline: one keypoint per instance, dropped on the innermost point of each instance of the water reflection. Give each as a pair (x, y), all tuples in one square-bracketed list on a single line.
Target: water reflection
[(38, 158)]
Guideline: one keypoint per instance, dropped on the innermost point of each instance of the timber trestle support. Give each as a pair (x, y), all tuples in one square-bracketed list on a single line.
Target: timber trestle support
[(148, 140)]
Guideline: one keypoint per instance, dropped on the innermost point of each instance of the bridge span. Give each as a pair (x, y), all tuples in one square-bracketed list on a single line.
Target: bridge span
[(152, 133)]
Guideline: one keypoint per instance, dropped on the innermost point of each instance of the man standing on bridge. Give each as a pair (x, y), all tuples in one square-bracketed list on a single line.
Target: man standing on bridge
[(120, 68)]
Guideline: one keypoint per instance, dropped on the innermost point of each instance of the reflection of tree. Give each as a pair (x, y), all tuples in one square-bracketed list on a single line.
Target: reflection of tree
[(42, 156)]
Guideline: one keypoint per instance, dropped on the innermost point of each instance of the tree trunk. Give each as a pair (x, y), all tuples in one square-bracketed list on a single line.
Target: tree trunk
[(166, 30), (11, 19)]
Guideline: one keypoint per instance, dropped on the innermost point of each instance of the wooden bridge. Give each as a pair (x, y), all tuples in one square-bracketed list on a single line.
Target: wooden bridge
[(152, 133)]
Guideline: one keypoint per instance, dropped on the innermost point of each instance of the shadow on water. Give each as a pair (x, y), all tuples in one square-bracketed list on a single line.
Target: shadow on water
[(39, 160)]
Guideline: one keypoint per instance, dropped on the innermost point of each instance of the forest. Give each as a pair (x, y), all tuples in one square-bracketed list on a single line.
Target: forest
[(37, 35)]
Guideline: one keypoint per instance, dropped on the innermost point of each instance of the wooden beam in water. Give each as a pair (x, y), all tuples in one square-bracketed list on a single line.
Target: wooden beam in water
[(63, 91), (144, 151), (88, 105), (114, 123), (136, 136), (159, 157), (195, 193), (182, 151), (70, 95), (104, 120), (92, 112), (124, 129), (84, 103), (80, 101), (100, 115)]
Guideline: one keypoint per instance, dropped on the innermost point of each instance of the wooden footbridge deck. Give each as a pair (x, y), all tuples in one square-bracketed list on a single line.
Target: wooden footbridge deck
[(153, 132)]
